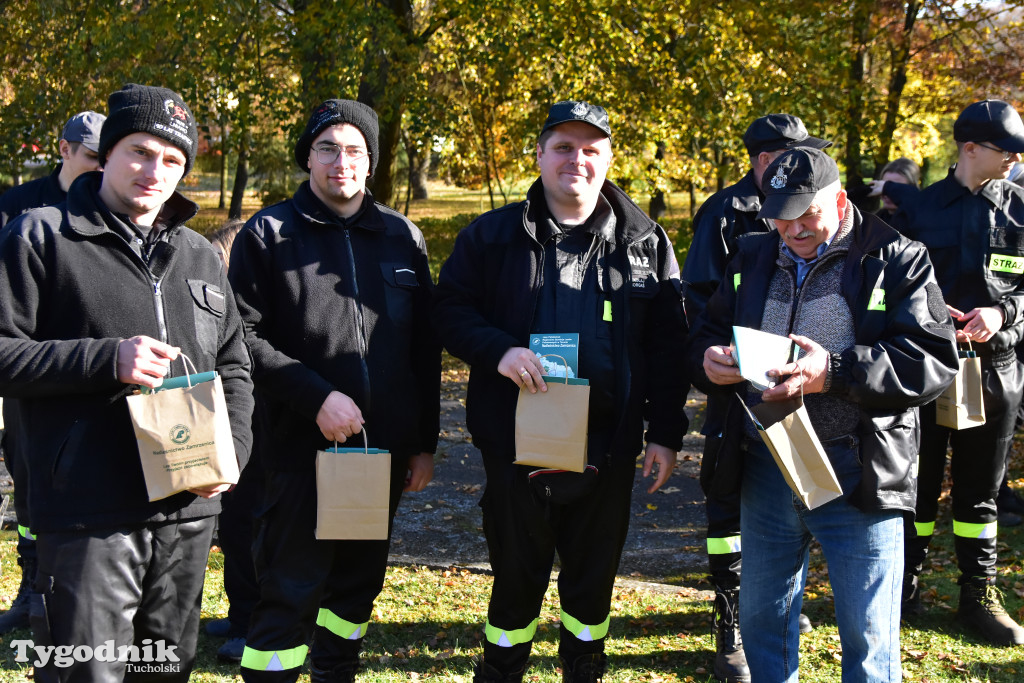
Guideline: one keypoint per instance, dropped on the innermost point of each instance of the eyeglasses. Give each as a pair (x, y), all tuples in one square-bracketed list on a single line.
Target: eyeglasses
[(328, 154), (1006, 155)]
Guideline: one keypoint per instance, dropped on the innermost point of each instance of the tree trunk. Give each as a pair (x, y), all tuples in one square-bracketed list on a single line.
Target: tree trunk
[(657, 207), (223, 164), (419, 168), (241, 179), (856, 84), (899, 58)]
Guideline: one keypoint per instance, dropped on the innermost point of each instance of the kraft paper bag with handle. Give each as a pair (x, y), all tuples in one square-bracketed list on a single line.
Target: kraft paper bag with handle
[(551, 426), (962, 404), (785, 427), (353, 492), (184, 434)]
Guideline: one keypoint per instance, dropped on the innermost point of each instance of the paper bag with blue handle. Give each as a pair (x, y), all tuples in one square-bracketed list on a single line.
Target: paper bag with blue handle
[(551, 426), (353, 493), (184, 434)]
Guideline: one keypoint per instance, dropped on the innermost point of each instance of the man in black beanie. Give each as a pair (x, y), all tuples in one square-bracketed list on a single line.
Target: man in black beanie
[(99, 294), (334, 291)]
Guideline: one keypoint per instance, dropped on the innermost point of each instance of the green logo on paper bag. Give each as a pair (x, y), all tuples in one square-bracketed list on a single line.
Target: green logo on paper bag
[(180, 434)]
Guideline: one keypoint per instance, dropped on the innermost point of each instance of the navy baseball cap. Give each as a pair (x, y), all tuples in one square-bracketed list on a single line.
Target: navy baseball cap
[(791, 181), (779, 131), (572, 110), (84, 127), (992, 121)]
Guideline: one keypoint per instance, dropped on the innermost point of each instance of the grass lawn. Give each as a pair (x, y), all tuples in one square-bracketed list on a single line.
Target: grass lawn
[(427, 625)]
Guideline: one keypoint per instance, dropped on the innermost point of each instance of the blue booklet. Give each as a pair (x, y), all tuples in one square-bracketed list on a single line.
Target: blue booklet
[(549, 346)]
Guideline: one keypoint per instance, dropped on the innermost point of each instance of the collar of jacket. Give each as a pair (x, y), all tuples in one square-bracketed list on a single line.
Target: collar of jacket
[(86, 217), (745, 195), (632, 224), (992, 190), (315, 211)]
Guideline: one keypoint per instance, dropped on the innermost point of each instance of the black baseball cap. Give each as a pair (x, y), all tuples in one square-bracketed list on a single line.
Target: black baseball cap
[(573, 110), (992, 121), (791, 181), (84, 127), (779, 131)]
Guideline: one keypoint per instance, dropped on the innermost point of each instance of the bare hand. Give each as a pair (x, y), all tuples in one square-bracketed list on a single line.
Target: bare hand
[(339, 417), (876, 187), (421, 472), (806, 375), (720, 366), (522, 366), (211, 491), (981, 323), (665, 458), (144, 360)]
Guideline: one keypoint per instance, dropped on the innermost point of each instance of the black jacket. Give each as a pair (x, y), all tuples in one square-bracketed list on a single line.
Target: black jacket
[(904, 356), (45, 191), (329, 305), (486, 299), (720, 221), (976, 243), (70, 290)]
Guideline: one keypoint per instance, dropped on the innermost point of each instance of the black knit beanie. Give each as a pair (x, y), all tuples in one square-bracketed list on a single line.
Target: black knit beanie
[(149, 109), (335, 113)]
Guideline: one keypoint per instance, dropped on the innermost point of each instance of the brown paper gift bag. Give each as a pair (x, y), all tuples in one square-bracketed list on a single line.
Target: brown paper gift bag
[(962, 404), (551, 426), (353, 492), (184, 434), (785, 427)]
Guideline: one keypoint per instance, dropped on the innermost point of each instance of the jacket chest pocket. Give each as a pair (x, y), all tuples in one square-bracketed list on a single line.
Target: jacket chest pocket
[(401, 286), (208, 309)]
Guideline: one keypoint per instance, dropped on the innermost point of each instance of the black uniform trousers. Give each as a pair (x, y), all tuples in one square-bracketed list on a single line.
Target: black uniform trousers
[(977, 464), (308, 586), (235, 534), (523, 533), (725, 559), (133, 586)]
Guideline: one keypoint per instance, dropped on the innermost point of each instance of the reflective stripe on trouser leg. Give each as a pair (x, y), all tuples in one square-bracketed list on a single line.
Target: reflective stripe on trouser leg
[(26, 532), (340, 627), (508, 638), (924, 528), (974, 530), (724, 546), (585, 631), (275, 660)]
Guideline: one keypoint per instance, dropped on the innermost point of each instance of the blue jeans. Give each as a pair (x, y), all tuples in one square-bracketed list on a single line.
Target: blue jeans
[(864, 552)]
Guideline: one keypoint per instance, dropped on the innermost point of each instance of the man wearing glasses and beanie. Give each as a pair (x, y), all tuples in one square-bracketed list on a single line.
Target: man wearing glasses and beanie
[(972, 222), (334, 291)]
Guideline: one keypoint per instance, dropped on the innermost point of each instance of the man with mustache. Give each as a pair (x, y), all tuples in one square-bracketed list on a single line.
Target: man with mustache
[(719, 223), (972, 222), (875, 342)]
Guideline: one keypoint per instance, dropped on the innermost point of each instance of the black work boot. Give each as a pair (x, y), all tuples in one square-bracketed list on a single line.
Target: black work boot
[(981, 610), (485, 673), (730, 661), (585, 669), (17, 616), (342, 673), (911, 603)]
